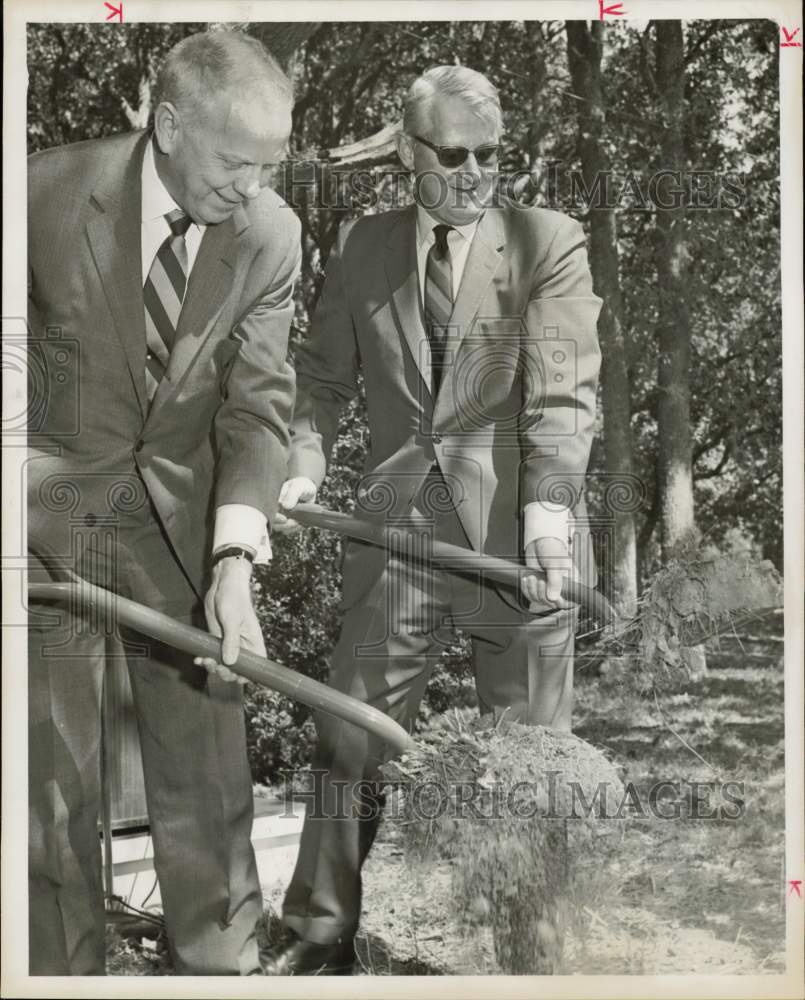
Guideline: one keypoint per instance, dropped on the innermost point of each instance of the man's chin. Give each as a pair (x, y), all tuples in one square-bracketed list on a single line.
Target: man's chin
[(211, 215), (465, 209), (462, 216)]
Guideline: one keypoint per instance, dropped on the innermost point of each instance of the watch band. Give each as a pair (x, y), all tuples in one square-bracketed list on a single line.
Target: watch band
[(232, 550)]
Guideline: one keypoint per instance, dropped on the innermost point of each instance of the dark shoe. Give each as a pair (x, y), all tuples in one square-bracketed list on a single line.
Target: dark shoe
[(305, 958)]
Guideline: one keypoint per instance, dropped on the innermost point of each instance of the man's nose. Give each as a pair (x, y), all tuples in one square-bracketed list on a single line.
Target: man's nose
[(470, 166), (248, 184), (469, 176)]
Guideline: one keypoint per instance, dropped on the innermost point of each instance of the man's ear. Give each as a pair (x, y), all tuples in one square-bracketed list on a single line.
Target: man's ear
[(166, 126), (405, 150)]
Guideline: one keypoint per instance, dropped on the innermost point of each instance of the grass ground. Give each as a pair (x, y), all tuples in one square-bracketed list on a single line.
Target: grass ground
[(678, 896)]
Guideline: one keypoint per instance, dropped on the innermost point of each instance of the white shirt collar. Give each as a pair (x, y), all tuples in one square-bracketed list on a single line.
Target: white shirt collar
[(425, 223), (157, 202)]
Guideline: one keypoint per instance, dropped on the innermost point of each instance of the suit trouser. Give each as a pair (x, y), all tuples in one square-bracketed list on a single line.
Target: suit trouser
[(392, 636), (197, 779)]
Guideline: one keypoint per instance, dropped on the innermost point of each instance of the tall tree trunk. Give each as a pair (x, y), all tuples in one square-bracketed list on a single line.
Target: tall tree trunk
[(673, 325), (584, 49), (674, 451)]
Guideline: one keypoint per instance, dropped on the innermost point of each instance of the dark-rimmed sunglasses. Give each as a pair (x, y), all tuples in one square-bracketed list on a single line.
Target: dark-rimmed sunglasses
[(453, 156)]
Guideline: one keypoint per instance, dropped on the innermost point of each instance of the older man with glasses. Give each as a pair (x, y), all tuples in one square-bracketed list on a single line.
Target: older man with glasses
[(473, 321)]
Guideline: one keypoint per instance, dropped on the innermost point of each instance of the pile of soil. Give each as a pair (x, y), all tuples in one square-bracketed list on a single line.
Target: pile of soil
[(513, 808)]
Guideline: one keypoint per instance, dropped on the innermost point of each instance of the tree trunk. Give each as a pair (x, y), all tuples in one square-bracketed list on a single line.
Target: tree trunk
[(674, 451), (673, 325), (584, 48)]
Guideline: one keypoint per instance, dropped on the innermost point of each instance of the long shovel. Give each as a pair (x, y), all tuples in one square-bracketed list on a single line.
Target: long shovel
[(446, 556), (72, 591), (684, 605)]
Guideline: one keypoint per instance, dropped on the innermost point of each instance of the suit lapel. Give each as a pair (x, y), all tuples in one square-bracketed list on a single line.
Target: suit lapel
[(403, 279), (207, 290), (115, 240), (483, 260)]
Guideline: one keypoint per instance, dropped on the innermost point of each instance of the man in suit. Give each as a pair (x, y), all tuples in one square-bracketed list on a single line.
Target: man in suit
[(164, 266), (474, 323)]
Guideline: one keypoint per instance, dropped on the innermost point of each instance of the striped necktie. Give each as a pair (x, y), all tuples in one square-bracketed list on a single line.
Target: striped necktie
[(163, 294), (438, 300)]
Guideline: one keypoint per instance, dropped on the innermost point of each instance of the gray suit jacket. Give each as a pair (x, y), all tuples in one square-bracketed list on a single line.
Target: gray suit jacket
[(513, 419), (216, 431)]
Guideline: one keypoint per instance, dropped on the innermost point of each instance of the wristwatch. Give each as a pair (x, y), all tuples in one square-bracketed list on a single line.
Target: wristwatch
[(230, 551)]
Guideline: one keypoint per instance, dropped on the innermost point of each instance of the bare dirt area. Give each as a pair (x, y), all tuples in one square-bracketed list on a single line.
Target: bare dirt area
[(678, 896)]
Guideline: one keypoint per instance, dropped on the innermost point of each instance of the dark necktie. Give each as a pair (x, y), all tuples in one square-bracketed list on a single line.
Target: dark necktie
[(438, 300), (163, 293)]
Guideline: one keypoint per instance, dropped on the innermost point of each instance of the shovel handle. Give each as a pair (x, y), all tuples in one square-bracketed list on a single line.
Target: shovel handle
[(452, 557), (72, 591)]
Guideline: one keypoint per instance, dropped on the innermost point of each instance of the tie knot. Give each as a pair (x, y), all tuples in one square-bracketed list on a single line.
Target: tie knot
[(178, 221), (440, 235)]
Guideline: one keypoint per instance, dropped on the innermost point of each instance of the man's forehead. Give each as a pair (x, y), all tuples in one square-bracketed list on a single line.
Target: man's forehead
[(258, 120), (453, 118)]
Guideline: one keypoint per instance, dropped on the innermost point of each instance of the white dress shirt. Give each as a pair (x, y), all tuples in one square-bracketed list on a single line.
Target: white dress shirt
[(235, 523), (541, 517)]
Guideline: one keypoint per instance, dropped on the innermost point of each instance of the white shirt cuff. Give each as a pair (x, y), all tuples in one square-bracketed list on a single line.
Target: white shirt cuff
[(545, 519), (240, 524)]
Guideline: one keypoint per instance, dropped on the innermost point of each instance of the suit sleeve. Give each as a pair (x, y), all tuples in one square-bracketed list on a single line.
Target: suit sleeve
[(562, 364), (251, 425), (327, 374)]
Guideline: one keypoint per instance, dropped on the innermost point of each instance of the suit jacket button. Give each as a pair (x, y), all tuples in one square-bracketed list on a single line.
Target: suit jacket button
[(139, 446), (436, 438)]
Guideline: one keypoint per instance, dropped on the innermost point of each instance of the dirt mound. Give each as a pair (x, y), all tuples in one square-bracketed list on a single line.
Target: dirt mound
[(512, 807)]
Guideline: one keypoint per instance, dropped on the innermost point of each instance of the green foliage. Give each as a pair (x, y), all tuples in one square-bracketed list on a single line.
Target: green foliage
[(79, 75)]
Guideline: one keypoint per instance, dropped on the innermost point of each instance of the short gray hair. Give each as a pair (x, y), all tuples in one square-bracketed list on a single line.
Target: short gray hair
[(461, 82), (204, 65)]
